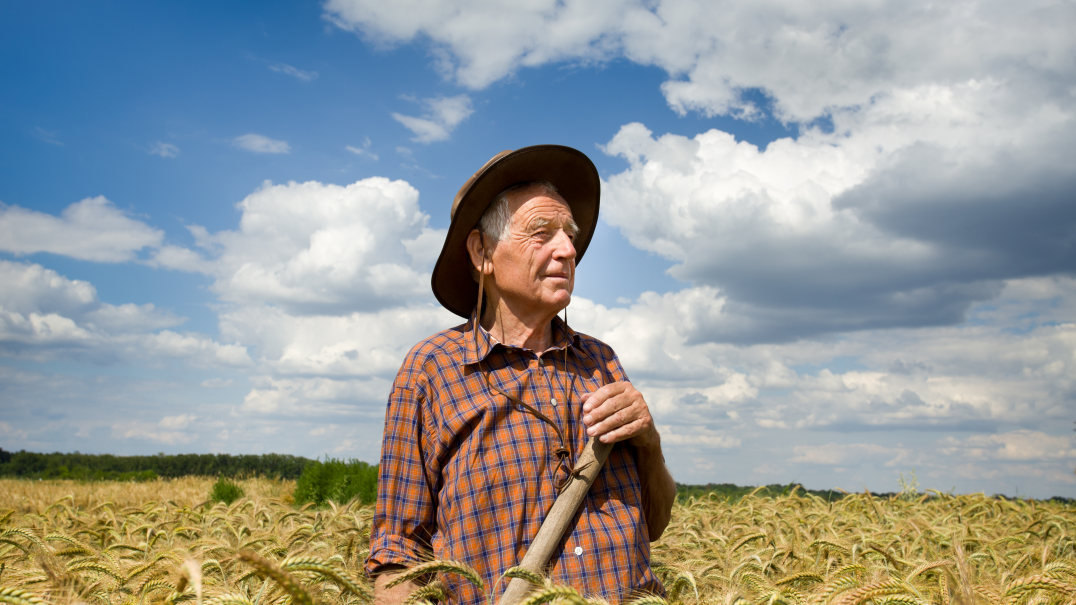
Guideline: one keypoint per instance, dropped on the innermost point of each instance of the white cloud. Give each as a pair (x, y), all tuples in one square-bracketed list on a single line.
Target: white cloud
[(697, 436), (323, 248), (130, 317), (951, 391), (364, 151), (28, 288), (809, 58), (165, 150), (441, 117), (198, 349), (1017, 446), (178, 423), (944, 173), (356, 344), (834, 454), (44, 315), (295, 72), (180, 259), (976, 376), (48, 136), (12, 433), (822, 217), (318, 398), (149, 432), (92, 229), (261, 144)]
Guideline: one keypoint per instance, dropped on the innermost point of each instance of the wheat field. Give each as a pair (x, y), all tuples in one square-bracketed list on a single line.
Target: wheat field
[(162, 542)]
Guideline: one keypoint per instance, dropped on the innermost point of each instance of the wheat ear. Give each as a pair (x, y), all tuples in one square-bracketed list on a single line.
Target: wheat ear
[(326, 570), (295, 590), (555, 593), (438, 566)]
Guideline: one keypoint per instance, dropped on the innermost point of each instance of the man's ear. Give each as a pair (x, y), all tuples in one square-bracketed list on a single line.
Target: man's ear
[(476, 249)]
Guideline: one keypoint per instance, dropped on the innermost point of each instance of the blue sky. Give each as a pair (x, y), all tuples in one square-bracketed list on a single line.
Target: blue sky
[(836, 242)]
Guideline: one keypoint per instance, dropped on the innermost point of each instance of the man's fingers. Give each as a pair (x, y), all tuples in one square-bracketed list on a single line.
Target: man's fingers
[(624, 432), (616, 412), (614, 417), (606, 408), (594, 400)]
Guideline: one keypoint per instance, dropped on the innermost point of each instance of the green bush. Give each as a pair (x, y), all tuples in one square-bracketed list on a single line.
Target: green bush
[(225, 490), (338, 481)]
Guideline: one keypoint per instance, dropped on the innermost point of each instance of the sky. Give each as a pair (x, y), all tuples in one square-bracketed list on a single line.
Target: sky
[(837, 242)]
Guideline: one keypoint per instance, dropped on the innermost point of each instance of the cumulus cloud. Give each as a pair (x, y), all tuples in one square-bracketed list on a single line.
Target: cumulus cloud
[(318, 398), (165, 150), (441, 116), (929, 167), (369, 344), (808, 59), (884, 401), (317, 248), (974, 377), (832, 233), (92, 229), (45, 316), (258, 143)]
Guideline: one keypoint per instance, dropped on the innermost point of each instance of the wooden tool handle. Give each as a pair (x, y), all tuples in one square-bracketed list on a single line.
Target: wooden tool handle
[(560, 516)]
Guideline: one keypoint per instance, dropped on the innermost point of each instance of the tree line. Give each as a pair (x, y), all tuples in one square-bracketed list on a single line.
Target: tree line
[(318, 481), (103, 467)]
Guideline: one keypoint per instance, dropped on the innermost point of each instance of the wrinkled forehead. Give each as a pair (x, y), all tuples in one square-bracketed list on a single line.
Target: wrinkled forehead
[(541, 212), (536, 200)]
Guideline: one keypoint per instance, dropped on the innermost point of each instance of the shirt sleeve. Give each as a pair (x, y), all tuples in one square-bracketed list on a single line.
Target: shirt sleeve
[(405, 516)]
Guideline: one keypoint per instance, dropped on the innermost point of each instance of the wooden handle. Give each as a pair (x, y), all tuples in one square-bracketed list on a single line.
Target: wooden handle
[(560, 516)]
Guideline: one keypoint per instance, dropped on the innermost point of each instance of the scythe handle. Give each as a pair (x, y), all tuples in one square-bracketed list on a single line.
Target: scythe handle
[(559, 518)]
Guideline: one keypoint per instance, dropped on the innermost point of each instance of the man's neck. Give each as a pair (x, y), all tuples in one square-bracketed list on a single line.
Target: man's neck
[(533, 331)]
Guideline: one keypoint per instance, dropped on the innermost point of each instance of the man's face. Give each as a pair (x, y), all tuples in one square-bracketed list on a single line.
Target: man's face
[(534, 267)]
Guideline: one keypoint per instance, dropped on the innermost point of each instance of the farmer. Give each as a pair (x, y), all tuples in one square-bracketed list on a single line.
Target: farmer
[(485, 420)]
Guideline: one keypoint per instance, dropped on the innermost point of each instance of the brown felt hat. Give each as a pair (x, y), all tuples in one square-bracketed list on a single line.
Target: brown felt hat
[(571, 172)]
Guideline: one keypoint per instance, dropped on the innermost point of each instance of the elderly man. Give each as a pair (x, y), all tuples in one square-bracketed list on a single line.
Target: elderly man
[(485, 420)]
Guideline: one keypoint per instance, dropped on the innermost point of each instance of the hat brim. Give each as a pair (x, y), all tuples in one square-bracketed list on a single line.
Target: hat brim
[(569, 170)]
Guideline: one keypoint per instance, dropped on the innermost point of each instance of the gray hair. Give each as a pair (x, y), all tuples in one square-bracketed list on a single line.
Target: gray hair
[(497, 219)]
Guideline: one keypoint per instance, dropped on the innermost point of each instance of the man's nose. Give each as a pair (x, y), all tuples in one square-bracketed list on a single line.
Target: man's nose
[(564, 248)]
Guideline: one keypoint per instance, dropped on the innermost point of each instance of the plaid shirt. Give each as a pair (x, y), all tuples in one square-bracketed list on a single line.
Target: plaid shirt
[(470, 474)]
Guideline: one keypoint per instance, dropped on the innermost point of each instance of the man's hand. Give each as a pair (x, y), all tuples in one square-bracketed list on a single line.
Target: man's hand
[(617, 412), (395, 595)]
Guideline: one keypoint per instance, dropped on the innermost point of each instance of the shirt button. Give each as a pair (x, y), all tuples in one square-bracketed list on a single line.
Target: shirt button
[(553, 401), (578, 550)]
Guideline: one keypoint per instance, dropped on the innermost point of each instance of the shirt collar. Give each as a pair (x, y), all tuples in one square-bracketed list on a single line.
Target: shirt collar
[(478, 347)]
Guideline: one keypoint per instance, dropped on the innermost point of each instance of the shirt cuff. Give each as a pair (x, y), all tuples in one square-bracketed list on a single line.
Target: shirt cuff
[(388, 549)]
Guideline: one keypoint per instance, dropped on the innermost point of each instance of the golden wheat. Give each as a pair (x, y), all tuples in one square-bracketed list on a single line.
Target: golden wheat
[(163, 542)]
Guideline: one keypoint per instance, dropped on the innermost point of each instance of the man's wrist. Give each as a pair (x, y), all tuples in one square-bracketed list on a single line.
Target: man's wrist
[(650, 441)]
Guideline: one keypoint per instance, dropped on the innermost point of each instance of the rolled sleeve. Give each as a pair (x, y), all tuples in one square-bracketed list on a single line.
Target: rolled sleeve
[(405, 516)]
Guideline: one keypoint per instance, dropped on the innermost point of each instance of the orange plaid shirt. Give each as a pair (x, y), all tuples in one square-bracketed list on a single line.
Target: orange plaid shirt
[(468, 474)]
